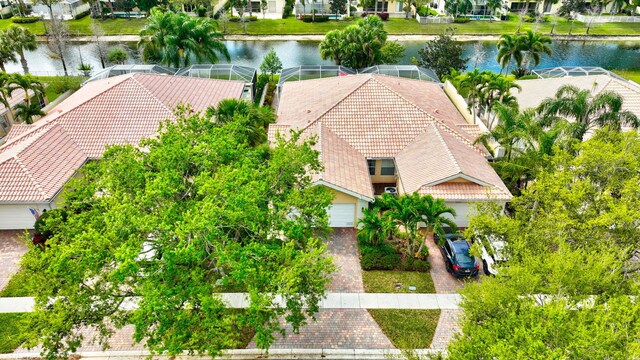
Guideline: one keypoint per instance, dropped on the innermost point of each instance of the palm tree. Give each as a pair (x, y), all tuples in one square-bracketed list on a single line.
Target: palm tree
[(26, 111), (332, 47), (254, 119), (374, 228), (509, 48), (471, 84), (602, 110), (493, 5), (511, 128), (534, 44), (498, 91), (432, 212), (174, 38), (4, 91), (21, 40), (6, 51), (26, 83)]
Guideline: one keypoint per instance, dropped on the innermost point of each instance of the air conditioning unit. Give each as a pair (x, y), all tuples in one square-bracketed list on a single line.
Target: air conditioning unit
[(391, 190)]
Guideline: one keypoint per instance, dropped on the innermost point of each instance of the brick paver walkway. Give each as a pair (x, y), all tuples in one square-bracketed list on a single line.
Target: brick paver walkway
[(446, 329), (336, 329), (11, 250), (122, 340), (444, 282), (343, 246)]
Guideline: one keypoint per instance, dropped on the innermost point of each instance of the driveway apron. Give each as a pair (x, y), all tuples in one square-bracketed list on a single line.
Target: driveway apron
[(11, 250)]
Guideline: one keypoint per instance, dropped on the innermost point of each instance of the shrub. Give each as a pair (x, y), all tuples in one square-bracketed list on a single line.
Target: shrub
[(364, 14), (384, 16), (82, 14), (423, 11), (318, 18), (287, 11), (381, 257), (529, 18), (529, 77), (234, 18), (461, 20), (412, 264), (347, 18), (117, 56), (24, 19), (201, 11), (252, 18), (263, 80)]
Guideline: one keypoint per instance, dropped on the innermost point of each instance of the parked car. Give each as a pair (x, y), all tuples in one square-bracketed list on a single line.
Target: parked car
[(492, 254), (457, 258)]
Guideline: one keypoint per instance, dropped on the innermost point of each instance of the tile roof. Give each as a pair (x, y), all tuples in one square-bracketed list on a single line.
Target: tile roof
[(38, 159), (535, 90), (388, 117), (344, 166), (465, 191)]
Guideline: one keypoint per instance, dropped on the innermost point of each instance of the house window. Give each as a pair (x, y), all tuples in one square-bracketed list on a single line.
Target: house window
[(388, 167), (372, 167)]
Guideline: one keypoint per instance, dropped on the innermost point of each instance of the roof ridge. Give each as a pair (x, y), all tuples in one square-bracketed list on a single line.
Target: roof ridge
[(30, 176), (342, 99), (429, 116), (134, 78), (446, 148)]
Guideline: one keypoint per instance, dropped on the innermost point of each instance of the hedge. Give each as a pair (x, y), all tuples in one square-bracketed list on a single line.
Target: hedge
[(25, 19), (318, 18), (82, 14)]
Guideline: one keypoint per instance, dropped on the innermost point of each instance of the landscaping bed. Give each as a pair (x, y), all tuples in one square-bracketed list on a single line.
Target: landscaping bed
[(407, 328)]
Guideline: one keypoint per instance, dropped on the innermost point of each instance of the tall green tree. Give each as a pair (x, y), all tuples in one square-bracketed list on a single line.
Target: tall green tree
[(338, 6), (534, 44), (198, 210), (175, 38), (433, 213), (7, 53), (358, 46), (21, 40), (271, 64), (255, 119), (27, 84), (442, 55), (588, 111), (570, 236), (509, 49)]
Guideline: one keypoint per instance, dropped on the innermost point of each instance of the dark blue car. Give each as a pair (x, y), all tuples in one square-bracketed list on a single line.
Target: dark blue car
[(457, 258)]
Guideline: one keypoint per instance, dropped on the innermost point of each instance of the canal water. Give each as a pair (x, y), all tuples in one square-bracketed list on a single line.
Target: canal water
[(609, 55)]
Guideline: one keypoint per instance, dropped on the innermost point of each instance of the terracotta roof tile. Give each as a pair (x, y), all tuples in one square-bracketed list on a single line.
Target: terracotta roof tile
[(462, 192), (388, 117), (40, 158)]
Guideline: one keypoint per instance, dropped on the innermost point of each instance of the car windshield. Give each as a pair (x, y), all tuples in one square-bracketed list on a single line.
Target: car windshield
[(461, 250)]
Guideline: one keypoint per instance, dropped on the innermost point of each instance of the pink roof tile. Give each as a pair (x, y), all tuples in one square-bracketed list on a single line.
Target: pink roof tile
[(461, 191), (344, 166), (39, 159), (388, 117)]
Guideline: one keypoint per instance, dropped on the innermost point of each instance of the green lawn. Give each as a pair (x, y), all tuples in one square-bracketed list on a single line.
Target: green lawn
[(633, 75), (393, 26), (18, 286), (407, 329), (388, 281), (11, 333)]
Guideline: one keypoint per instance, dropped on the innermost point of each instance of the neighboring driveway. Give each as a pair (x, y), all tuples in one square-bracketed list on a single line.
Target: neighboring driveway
[(11, 250)]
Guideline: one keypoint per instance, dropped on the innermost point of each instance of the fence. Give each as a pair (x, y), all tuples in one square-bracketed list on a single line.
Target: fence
[(606, 19), (434, 19)]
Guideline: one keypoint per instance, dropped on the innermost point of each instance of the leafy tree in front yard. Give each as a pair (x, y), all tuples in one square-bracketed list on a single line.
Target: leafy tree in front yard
[(175, 220), (338, 6), (442, 55), (572, 235)]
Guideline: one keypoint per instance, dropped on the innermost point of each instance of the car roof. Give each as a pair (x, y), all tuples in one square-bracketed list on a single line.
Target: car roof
[(460, 245)]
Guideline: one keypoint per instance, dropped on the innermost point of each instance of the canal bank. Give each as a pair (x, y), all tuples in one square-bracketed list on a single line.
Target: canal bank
[(392, 37)]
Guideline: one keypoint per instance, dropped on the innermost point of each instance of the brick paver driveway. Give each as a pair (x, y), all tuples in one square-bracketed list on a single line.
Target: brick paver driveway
[(339, 328), (11, 250)]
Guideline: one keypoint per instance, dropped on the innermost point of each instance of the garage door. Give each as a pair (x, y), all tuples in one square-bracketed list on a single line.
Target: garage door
[(341, 215), (17, 217)]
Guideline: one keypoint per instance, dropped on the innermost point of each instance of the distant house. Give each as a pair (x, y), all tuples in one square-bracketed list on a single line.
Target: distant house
[(534, 91), (379, 133), (37, 160), (67, 9), (7, 115)]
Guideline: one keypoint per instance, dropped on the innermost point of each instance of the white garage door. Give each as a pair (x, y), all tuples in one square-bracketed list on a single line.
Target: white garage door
[(18, 217), (341, 215)]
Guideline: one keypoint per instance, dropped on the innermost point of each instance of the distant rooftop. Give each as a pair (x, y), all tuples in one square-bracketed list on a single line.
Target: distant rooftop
[(128, 69)]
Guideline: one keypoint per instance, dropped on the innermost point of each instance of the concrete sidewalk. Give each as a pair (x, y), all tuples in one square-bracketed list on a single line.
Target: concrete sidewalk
[(332, 301)]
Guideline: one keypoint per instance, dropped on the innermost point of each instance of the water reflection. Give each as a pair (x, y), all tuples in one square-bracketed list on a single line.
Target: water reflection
[(610, 55)]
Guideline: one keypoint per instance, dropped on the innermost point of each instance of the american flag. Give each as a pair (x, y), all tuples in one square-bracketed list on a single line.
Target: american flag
[(34, 212)]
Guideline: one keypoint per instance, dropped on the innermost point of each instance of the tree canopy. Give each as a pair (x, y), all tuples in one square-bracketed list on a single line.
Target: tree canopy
[(442, 54), (197, 210), (360, 46), (174, 38), (570, 235)]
